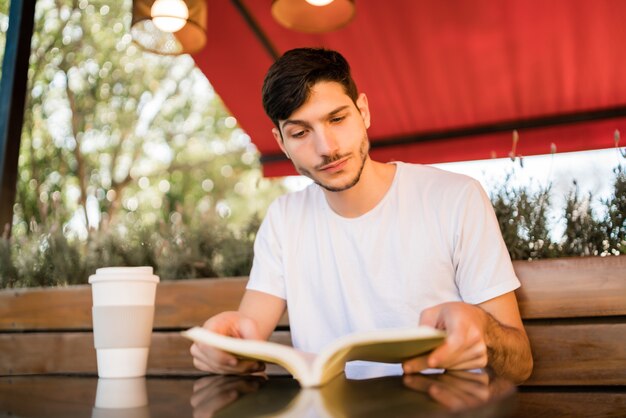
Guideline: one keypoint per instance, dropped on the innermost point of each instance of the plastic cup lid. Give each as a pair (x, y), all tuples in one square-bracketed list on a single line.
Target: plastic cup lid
[(108, 274)]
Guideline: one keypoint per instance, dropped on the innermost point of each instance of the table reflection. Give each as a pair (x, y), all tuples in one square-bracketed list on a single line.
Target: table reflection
[(441, 394), (433, 395)]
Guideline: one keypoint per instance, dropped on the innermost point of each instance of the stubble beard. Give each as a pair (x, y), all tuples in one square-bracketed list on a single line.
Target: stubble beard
[(363, 152)]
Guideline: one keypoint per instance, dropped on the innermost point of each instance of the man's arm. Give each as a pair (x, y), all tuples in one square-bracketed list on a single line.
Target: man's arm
[(508, 348), (488, 334), (265, 309), (256, 318)]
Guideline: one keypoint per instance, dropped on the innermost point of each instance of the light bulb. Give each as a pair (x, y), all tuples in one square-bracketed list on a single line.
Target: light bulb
[(319, 2), (169, 15)]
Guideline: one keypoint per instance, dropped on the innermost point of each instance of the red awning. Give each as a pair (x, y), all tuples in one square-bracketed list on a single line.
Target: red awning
[(446, 80)]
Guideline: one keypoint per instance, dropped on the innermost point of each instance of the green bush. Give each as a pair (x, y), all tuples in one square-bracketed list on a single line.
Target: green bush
[(583, 233), (8, 271), (523, 219), (614, 224), (206, 247)]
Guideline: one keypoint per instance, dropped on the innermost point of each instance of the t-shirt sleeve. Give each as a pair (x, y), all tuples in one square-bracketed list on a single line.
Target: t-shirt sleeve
[(482, 263), (267, 274)]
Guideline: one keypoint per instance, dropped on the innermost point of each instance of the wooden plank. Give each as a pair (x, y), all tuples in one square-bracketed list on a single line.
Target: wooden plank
[(73, 353), (571, 404), (550, 289), (564, 354), (185, 303), (572, 287), (45, 308), (179, 304), (40, 353), (587, 354)]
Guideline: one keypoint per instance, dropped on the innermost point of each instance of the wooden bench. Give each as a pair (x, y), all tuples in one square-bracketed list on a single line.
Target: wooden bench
[(574, 310)]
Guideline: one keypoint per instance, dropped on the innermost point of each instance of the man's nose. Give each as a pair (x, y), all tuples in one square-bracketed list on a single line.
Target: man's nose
[(326, 142)]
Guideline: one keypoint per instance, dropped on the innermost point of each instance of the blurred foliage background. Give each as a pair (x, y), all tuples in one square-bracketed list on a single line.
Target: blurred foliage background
[(127, 158), (130, 158)]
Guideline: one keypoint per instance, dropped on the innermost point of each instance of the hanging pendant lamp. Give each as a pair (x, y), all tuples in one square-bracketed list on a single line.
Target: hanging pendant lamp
[(169, 27), (313, 16)]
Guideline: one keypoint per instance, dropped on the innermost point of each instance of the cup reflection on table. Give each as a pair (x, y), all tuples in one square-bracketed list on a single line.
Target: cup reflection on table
[(121, 398)]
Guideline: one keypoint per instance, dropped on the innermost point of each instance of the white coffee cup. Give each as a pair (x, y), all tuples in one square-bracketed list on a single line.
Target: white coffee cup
[(123, 315)]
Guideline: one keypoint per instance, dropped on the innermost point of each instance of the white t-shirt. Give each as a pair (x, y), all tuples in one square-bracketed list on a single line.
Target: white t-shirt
[(433, 238)]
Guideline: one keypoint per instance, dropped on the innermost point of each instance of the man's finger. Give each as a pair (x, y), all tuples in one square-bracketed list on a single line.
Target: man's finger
[(429, 317), (415, 365), (215, 359), (446, 353), (473, 364), (471, 357)]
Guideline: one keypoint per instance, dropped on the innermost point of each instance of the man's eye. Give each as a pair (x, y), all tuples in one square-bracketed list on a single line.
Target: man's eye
[(337, 119), (298, 134)]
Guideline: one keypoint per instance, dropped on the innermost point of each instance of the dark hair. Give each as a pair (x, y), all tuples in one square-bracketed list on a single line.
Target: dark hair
[(288, 82)]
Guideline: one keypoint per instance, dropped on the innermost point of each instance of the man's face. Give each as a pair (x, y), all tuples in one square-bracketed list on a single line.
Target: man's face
[(326, 138)]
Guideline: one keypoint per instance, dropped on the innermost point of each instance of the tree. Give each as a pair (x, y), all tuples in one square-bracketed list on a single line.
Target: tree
[(115, 134)]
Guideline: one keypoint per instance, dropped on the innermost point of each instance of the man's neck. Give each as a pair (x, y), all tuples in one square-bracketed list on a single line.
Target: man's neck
[(374, 183)]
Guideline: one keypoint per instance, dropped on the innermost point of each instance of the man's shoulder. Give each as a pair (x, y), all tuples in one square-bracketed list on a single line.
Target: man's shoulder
[(424, 176)]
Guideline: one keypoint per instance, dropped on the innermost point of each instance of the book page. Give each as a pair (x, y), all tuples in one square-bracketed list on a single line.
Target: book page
[(296, 362), (386, 346)]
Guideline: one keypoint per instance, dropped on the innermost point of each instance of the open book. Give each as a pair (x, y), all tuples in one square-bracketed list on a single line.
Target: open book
[(385, 345)]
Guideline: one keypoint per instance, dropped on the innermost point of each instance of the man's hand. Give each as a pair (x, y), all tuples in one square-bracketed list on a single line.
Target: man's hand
[(232, 324), (489, 334), (465, 346), (256, 318)]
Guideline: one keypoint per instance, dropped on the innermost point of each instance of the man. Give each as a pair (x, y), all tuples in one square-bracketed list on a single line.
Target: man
[(370, 245)]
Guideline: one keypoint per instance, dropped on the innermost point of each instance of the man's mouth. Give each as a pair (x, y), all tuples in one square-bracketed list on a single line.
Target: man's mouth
[(335, 165)]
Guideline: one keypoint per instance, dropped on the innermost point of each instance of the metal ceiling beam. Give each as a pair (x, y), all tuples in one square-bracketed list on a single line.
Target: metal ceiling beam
[(256, 29), (12, 100)]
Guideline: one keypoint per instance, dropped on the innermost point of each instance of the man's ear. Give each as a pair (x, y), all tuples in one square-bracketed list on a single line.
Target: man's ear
[(362, 105), (279, 140)]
